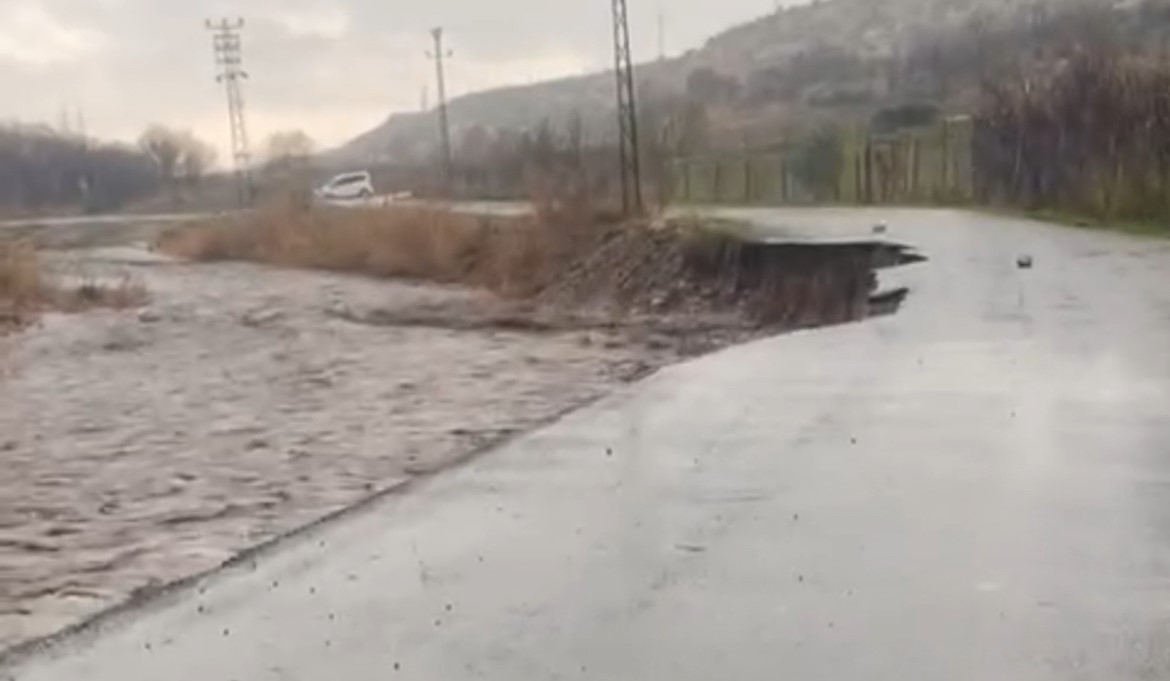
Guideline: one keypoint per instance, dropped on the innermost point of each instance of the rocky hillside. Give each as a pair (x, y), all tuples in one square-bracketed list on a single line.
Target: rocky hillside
[(856, 55)]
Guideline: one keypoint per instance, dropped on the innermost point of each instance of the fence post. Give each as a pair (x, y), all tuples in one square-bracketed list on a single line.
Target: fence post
[(868, 172), (859, 175), (784, 198), (717, 189), (747, 178), (915, 169), (946, 152)]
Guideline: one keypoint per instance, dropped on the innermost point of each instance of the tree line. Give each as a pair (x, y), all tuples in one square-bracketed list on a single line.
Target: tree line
[(42, 169), (1093, 139), (1082, 123), (47, 170)]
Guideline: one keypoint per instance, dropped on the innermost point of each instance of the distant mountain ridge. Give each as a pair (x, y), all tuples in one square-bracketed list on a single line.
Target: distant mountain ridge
[(850, 33)]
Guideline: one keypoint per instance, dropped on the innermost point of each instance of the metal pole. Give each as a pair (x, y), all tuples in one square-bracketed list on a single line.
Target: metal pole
[(229, 60), (661, 35), (444, 122), (627, 109)]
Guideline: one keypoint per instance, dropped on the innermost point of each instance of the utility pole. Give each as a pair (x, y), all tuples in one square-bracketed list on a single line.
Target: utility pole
[(71, 120), (627, 110), (63, 121), (444, 124), (229, 61), (661, 35), (81, 130)]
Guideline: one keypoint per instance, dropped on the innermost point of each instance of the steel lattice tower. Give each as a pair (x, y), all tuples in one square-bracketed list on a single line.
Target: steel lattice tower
[(627, 110), (229, 61)]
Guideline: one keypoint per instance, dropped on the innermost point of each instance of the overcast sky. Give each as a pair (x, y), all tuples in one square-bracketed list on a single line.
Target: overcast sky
[(333, 68)]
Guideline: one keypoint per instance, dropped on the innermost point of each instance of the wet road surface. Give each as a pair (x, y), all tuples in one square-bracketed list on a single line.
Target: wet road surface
[(975, 488), (96, 221)]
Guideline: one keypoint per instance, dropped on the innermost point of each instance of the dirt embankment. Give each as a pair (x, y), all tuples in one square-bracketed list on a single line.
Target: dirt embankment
[(564, 261)]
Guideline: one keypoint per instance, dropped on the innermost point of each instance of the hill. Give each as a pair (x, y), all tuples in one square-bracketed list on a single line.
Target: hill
[(825, 60)]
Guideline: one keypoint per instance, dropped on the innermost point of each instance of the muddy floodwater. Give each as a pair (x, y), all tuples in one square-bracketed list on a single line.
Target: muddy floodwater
[(144, 446)]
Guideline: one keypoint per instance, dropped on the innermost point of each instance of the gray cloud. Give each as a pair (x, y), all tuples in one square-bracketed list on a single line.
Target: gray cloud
[(331, 68)]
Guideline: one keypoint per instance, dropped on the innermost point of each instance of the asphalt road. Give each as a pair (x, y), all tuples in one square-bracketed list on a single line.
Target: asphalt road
[(494, 208), (97, 221), (976, 488)]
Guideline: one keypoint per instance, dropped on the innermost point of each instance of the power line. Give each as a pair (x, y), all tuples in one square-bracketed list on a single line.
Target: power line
[(229, 60), (627, 110), (444, 124)]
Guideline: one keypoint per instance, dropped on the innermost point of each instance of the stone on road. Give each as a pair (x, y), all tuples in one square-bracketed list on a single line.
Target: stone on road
[(975, 488)]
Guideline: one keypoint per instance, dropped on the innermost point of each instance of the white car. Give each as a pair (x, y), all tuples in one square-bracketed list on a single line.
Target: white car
[(347, 186)]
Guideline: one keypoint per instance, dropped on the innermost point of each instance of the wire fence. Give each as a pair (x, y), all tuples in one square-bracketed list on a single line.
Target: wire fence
[(924, 165)]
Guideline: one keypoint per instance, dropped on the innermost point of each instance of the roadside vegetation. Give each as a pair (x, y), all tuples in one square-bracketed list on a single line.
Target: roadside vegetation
[(21, 285), (27, 290), (566, 257), (1092, 140), (511, 256)]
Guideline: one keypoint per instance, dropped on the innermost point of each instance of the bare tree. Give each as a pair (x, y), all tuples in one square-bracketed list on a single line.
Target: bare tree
[(288, 148), (178, 154), (165, 147), (198, 158), (287, 165)]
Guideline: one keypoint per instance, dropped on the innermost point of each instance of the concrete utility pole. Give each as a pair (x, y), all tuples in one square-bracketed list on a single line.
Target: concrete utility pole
[(71, 122), (229, 60), (81, 129), (627, 110), (63, 121), (661, 35), (444, 124)]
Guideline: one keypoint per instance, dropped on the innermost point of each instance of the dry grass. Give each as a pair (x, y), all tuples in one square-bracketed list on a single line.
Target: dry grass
[(26, 290), (512, 256), (566, 256), (22, 288)]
